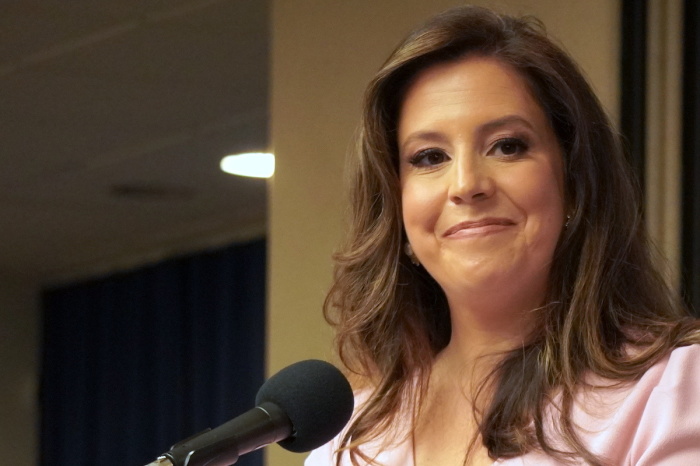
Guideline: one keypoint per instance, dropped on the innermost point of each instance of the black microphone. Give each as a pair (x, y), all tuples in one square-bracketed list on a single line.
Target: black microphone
[(301, 407)]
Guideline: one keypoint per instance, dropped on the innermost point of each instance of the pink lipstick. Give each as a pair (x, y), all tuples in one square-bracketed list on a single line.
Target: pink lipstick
[(479, 227)]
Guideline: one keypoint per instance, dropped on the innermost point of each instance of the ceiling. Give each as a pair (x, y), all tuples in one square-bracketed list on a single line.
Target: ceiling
[(114, 117)]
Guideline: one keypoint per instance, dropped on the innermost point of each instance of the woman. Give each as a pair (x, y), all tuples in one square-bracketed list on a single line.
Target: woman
[(496, 298)]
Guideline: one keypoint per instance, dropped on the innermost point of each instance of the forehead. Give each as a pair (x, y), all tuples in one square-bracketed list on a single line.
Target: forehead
[(473, 85)]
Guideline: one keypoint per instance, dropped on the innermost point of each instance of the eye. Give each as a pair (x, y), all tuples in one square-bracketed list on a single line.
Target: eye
[(509, 147), (429, 158)]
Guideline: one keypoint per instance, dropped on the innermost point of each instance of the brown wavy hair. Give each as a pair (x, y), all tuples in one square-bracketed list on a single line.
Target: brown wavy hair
[(605, 293)]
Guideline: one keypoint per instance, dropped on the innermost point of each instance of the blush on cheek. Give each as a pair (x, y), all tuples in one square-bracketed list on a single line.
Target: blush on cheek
[(417, 201)]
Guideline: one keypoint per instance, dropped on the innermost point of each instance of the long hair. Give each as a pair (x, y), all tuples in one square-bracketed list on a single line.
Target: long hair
[(605, 293)]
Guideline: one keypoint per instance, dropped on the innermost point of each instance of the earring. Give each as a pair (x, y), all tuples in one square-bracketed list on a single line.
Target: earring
[(568, 218), (408, 249)]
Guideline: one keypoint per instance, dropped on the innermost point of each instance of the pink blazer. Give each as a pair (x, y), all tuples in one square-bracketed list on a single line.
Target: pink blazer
[(655, 421)]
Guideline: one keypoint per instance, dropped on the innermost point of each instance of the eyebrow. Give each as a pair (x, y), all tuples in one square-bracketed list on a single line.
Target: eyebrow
[(437, 136), (504, 121), (427, 136)]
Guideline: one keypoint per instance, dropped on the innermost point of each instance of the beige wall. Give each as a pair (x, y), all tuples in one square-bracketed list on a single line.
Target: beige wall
[(323, 54), (663, 132), (19, 362)]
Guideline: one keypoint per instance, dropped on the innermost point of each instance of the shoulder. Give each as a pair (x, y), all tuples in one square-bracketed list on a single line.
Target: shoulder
[(326, 455), (653, 421), (681, 368), (669, 426), (386, 452)]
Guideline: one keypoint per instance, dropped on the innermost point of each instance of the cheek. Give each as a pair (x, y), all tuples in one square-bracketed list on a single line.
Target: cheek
[(542, 201), (421, 206)]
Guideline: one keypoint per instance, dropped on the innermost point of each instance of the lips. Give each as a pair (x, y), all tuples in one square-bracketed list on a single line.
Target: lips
[(485, 225)]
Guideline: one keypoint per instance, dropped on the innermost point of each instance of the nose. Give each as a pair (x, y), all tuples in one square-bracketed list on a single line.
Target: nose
[(470, 180)]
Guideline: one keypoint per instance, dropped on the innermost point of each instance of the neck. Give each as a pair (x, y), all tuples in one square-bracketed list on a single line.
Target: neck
[(485, 329)]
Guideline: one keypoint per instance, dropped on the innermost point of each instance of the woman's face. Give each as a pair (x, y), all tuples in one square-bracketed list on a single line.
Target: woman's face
[(481, 180)]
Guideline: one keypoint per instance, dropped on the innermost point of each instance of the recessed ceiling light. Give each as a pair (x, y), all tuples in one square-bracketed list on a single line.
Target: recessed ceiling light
[(255, 164)]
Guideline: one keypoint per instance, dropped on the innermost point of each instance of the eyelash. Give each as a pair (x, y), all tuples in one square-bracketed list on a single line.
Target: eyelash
[(419, 159), (521, 146)]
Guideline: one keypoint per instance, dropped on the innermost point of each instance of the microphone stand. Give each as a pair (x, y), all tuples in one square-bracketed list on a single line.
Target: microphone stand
[(261, 426)]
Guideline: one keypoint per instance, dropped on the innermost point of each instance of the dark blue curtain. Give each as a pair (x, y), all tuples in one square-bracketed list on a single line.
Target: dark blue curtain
[(633, 82), (690, 243), (135, 362)]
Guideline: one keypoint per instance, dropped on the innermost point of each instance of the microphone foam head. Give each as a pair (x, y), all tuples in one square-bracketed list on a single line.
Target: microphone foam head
[(317, 398)]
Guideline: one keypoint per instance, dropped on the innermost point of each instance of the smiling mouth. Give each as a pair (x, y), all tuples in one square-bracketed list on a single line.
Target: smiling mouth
[(478, 227)]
